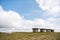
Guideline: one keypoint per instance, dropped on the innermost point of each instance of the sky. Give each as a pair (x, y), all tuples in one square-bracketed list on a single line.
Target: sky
[(26, 8), (23, 15)]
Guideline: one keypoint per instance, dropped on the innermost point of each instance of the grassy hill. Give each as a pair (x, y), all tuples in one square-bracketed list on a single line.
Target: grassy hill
[(29, 36)]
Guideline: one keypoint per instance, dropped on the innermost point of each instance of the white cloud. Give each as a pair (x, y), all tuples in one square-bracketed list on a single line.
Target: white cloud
[(51, 6), (43, 23), (48, 4), (10, 19)]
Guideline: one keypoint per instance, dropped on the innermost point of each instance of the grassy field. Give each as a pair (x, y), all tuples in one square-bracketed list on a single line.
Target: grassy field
[(29, 36)]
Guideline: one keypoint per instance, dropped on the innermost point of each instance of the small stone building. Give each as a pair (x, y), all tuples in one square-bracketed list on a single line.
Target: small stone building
[(35, 29), (48, 30), (42, 30), (52, 30)]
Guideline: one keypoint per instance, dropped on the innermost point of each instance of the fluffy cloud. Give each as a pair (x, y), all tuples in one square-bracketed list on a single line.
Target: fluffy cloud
[(48, 4), (52, 11), (51, 6), (11, 21)]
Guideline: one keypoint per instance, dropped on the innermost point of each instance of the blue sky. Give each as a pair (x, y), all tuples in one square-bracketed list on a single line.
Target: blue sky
[(27, 8), (16, 14)]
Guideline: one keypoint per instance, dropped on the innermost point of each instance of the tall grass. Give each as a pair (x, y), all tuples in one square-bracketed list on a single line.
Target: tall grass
[(29, 36)]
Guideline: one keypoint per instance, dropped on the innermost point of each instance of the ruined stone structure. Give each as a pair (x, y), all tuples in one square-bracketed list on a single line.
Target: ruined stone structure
[(42, 30), (52, 30), (35, 29), (48, 30)]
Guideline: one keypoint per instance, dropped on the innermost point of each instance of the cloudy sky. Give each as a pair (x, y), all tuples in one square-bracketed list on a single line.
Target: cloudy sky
[(23, 15)]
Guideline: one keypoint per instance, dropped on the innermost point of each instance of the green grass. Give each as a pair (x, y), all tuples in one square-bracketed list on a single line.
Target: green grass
[(29, 36)]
